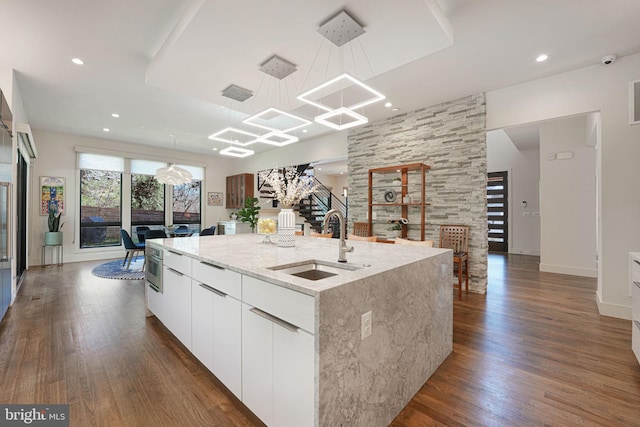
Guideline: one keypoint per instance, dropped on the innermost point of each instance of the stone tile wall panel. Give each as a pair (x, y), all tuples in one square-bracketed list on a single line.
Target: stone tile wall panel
[(451, 138)]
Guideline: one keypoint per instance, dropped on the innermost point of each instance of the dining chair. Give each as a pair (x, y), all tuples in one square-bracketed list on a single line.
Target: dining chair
[(155, 234), (361, 229), (323, 235), (140, 230), (183, 229), (456, 237), (131, 247), (402, 241), (208, 231), (362, 238)]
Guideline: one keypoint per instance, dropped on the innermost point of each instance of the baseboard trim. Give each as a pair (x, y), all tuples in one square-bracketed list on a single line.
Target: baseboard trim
[(612, 310), (565, 269)]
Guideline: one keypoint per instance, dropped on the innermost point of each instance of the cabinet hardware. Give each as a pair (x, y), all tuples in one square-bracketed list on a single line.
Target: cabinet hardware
[(175, 271), (173, 252), (636, 261), (637, 322), (636, 283), (154, 288), (215, 291), (211, 265), (274, 319)]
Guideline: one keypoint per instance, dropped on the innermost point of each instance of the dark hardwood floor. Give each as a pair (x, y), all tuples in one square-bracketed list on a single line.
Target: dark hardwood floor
[(533, 351)]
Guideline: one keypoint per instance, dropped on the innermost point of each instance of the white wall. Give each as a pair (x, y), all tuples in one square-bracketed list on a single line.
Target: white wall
[(568, 193), (595, 88), (57, 157), (523, 172)]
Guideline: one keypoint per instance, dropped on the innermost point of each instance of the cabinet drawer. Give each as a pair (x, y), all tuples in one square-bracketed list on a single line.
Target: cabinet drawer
[(289, 305), (635, 337), (224, 280), (177, 261)]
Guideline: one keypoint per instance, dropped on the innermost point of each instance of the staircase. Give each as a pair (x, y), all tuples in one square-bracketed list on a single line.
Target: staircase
[(313, 208)]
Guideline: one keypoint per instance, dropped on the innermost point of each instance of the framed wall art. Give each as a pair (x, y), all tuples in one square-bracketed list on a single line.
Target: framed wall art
[(634, 102), (214, 199), (51, 191)]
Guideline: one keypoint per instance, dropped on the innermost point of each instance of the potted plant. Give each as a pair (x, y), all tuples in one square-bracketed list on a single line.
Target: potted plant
[(53, 237), (397, 227), (250, 212)]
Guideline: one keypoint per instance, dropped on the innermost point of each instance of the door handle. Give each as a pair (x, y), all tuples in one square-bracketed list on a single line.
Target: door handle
[(215, 291), (274, 319)]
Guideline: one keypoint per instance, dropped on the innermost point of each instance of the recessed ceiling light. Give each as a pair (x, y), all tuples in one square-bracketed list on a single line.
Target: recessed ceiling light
[(116, 115), (77, 61), (341, 173), (542, 58), (305, 130), (215, 149), (388, 104), (105, 129), (319, 169), (395, 109)]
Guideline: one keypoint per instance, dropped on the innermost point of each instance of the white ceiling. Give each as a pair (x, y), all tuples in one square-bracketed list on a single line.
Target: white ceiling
[(161, 64)]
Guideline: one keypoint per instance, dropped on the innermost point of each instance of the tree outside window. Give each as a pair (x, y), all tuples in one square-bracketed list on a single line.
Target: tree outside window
[(100, 208), (186, 204)]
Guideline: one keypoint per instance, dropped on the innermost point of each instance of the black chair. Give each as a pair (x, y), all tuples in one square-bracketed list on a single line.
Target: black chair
[(131, 248), (155, 234), (208, 231), (140, 230)]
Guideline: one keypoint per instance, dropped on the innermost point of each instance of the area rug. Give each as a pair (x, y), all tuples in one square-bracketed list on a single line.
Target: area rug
[(115, 270)]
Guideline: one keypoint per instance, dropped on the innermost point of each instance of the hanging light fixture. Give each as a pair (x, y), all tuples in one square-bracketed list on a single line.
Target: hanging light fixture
[(277, 122), (339, 97), (173, 174)]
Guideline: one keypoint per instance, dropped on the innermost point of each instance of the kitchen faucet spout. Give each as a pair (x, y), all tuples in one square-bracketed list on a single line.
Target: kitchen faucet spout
[(343, 248)]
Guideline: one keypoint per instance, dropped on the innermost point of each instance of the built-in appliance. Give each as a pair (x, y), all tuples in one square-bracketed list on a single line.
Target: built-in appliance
[(153, 273), (6, 212)]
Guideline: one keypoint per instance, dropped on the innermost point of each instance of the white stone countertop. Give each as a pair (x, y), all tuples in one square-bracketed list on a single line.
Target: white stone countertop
[(246, 254)]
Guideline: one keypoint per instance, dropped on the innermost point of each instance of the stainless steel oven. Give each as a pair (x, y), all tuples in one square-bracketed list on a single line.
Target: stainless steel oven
[(154, 268)]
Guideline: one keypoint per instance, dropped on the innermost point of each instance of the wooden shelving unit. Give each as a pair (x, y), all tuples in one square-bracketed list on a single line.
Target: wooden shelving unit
[(406, 173)]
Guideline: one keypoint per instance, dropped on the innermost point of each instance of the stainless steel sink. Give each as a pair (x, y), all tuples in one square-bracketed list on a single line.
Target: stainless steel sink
[(314, 269)]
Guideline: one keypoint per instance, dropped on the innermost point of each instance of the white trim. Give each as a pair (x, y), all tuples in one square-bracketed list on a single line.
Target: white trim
[(567, 269), (612, 310)]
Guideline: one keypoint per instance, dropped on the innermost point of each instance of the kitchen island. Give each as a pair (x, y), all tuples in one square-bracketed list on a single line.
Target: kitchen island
[(351, 348)]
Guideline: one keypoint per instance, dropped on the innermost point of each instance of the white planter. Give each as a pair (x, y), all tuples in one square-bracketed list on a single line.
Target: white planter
[(286, 228)]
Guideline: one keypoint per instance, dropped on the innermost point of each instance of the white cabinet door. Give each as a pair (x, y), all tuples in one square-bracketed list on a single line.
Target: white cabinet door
[(257, 364), (227, 342), (177, 298), (202, 323), (277, 370), (293, 373)]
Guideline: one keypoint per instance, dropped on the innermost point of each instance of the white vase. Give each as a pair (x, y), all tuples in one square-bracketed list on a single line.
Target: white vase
[(286, 228)]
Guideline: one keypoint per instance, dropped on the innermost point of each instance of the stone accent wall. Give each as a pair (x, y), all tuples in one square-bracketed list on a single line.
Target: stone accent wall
[(449, 137)]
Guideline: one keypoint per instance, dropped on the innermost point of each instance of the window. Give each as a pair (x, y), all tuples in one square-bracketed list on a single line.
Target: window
[(100, 200), (147, 194), (147, 200), (100, 213), (186, 204)]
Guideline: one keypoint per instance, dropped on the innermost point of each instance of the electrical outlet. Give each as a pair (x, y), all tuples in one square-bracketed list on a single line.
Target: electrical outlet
[(365, 323)]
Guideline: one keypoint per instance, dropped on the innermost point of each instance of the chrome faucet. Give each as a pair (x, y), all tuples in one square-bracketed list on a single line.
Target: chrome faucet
[(343, 248)]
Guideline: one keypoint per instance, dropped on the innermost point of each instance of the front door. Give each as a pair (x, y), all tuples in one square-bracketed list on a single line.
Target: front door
[(497, 211)]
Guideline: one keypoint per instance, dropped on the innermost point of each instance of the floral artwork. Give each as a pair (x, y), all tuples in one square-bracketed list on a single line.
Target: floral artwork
[(51, 194), (289, 187), (214, 199)]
